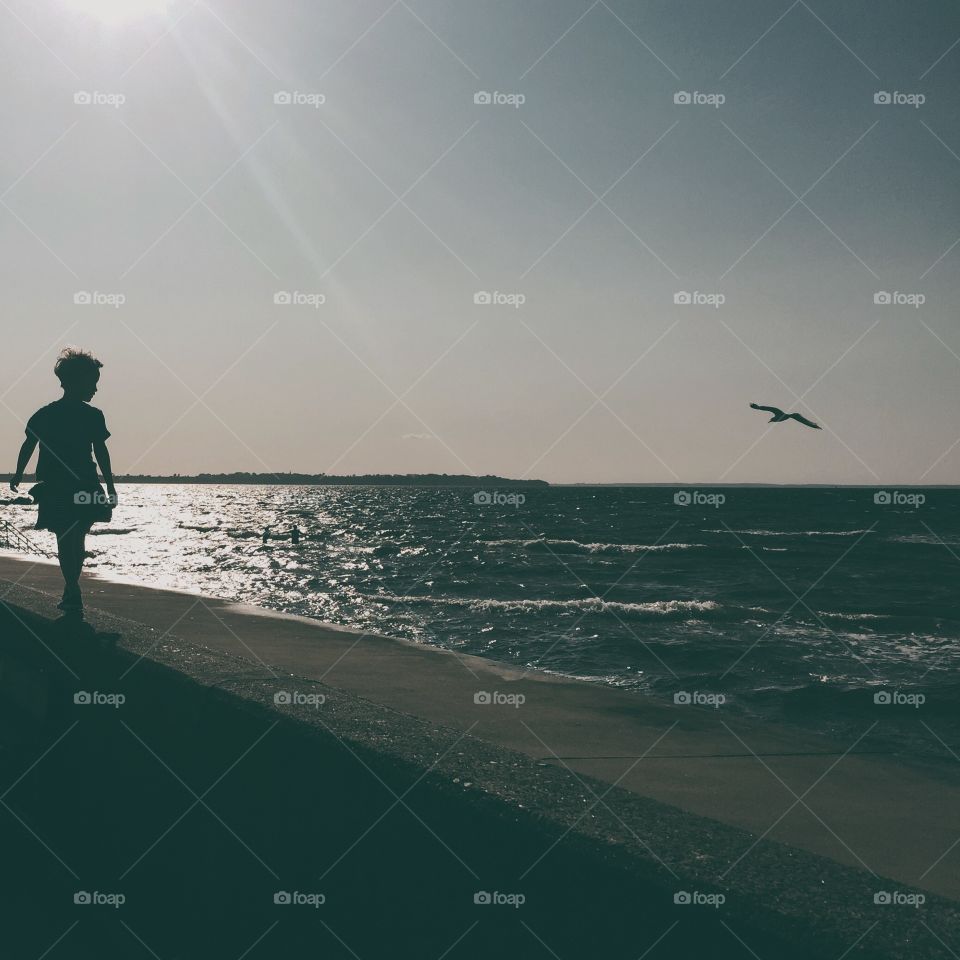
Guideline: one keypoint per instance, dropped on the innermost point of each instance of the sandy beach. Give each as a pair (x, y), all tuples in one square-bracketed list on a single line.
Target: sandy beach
[(860, 805), (769, 793)]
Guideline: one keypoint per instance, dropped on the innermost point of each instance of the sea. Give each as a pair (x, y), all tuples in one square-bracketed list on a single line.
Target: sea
[(829, 608)]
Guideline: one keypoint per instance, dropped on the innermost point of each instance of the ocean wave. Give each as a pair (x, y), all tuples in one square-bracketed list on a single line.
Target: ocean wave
[(793, 533), (587, 605), (926, 539), (853, 616), (412, 551), (593, 547)]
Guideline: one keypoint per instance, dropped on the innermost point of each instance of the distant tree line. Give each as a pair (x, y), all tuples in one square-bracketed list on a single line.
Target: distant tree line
[(372, 479)]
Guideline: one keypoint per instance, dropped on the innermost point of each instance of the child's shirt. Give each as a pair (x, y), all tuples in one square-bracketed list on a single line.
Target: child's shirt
[(66, 431)]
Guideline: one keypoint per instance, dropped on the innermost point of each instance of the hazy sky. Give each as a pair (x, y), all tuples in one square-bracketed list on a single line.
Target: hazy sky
[(198, 199)]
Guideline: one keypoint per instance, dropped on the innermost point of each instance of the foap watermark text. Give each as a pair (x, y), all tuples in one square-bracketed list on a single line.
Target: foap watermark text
[(699, 698), (697, 298), (495, 98), (897, 498), (697, 98), (486, 498), (697, 498), (497, 699)]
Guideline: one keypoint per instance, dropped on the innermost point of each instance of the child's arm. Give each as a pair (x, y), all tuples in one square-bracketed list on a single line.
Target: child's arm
[(26, 452), (102, 454)]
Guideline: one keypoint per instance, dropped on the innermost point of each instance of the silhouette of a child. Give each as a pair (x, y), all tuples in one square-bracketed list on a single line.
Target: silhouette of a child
[(69, 496)]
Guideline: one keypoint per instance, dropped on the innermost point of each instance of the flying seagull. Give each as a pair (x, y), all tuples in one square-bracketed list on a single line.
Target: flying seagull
[(779, 416)]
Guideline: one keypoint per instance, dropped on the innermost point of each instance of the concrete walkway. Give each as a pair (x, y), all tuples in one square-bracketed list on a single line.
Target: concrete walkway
[(865, 810)]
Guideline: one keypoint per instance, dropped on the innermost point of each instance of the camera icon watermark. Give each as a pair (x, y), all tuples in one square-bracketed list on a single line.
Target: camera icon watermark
[(697, 298), (295, 698), (695, 898), (87, 898), (496, 298), (485, 498), (297, 298), (686, 98), (98, 298), (894, 698), (896, 98), (97, 98), (484, 98), (697, 498), (287, 898), (86, 698), (94, 498), (886, 898), (699, 698), (888, 298), (486, 898), (298, 98), (486, 698)]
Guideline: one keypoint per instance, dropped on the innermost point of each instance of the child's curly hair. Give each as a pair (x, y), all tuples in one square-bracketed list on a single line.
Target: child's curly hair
[(76, 367)]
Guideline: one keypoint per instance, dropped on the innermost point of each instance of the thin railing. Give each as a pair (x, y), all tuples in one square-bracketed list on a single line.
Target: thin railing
[(13, 538)]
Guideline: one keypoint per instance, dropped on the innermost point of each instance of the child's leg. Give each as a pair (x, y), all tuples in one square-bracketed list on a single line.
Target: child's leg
[(70, 546), (65, 556), (81, 550)]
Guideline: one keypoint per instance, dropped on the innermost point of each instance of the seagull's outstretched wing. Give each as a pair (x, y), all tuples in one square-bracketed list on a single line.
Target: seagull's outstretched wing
[(776, 411), (805, 421)]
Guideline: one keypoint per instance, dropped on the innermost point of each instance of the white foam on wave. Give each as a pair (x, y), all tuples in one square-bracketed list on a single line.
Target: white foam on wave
[(586, 604), (853, 616), (793, 533), (594, 547), (928, 540)]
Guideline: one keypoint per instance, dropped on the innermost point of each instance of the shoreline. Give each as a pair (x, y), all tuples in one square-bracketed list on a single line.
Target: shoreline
[(884, 742)]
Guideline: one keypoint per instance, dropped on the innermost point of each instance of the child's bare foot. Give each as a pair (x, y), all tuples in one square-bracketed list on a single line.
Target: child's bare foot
[(72, 601)]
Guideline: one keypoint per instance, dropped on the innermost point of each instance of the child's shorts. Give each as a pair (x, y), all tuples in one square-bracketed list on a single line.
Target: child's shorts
[(64, 509)]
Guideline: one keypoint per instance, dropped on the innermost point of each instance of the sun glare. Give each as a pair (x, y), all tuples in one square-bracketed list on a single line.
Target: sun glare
[(119, 11)]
